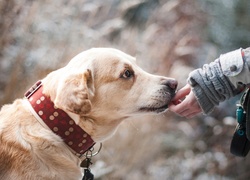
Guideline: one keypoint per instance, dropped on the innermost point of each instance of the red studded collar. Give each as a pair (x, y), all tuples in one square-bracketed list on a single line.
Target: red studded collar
[(58, 121)]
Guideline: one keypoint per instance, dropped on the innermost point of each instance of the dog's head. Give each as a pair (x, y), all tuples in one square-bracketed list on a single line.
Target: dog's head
[(105, 83)]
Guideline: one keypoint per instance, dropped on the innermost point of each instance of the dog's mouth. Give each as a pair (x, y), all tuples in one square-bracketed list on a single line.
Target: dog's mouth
[(155, 109), (161, 106)]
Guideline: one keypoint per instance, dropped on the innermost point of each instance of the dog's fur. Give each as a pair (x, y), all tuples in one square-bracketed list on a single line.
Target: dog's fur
[(98, 89)]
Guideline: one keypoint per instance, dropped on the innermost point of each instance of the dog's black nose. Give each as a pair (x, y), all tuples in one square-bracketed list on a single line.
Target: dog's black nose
[(172, 83)]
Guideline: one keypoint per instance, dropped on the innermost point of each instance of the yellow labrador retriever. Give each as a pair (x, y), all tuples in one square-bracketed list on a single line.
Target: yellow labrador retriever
[(43, 135)]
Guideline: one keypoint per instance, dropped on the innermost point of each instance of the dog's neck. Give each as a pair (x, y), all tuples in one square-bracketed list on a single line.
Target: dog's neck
[(57, 120)]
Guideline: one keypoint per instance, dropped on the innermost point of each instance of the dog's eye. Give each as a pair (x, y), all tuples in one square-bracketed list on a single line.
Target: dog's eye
[(127, 74)]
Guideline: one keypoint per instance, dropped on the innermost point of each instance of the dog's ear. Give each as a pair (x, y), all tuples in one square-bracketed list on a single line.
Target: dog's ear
[(74, 92)]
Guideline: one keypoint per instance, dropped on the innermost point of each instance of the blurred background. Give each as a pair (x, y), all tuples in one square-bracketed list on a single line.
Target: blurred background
[(168, 37)]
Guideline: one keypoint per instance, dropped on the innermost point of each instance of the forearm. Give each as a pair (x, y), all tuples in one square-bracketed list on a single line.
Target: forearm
[(221, 79)]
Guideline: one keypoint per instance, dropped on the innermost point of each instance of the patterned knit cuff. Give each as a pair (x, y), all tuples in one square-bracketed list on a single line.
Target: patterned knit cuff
[(210, 86), (200, 90), (206, 105)]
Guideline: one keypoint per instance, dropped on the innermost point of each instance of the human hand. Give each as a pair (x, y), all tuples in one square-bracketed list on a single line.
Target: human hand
[(185, 104)]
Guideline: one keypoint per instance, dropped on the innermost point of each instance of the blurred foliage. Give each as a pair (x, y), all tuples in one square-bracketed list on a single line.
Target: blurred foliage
[(228, 24), (168, 37)]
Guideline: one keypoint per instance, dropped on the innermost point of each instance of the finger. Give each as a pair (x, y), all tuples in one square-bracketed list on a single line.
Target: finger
[(176, 108), (177, 111), (176, 102), (185, 112), (190, 111), (182, 93), (191, 115), (179, 108)]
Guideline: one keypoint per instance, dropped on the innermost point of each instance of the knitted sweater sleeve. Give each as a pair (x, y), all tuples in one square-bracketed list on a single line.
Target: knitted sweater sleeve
[(221, 79)]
